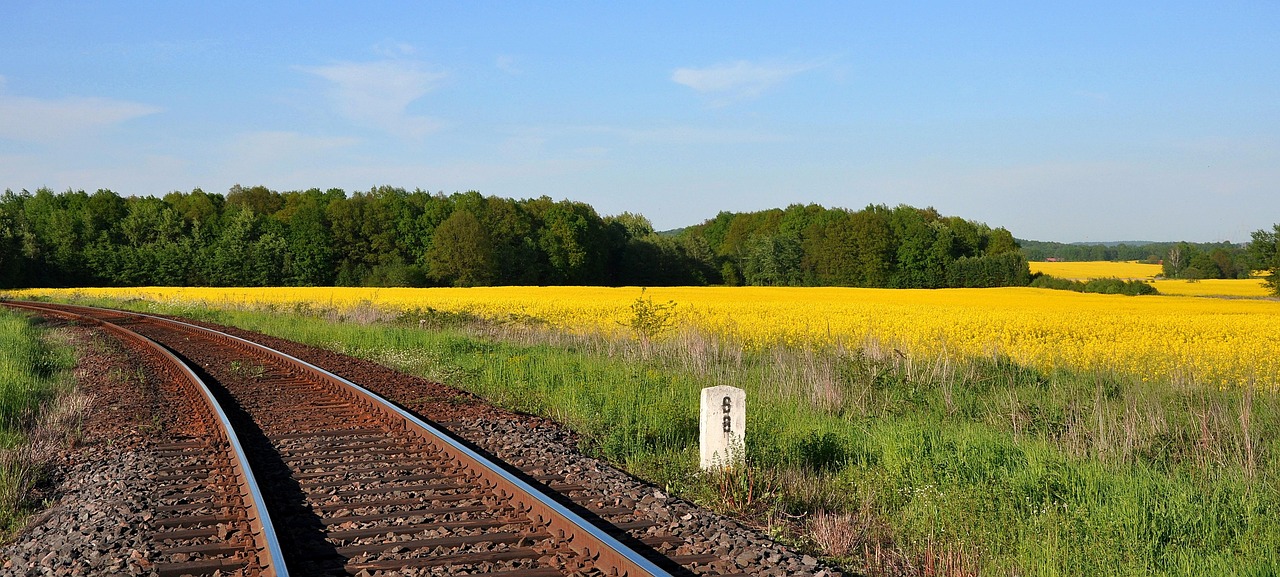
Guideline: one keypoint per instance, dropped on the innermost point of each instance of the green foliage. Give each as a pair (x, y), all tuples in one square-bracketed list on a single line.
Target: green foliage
[(384, 237), (902, 247), (461, 253), (1194, 262), (747, 491), (650, 319), (771, 260), (1003, 269), (388, 237), (1110, 286), (1265, 250), (819, 452), (26, 371)]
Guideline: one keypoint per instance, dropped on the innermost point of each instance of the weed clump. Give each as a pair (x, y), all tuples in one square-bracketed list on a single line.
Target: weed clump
[(649, 319)]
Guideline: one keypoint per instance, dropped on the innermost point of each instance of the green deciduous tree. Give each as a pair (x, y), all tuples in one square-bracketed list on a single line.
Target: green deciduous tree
[(260, 199), (13, 265), (573, 239), (771, 260), (461, 252), (310, 253), (1265, 250)]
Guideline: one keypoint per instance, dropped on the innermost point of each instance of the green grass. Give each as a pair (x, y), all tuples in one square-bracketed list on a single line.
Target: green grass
[(33, 371), (979, 467)]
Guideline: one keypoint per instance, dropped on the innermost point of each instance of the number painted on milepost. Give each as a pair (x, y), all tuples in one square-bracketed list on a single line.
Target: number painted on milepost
[(727, 405)]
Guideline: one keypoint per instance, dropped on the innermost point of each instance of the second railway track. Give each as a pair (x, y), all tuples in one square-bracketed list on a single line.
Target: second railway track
[(357, 485)]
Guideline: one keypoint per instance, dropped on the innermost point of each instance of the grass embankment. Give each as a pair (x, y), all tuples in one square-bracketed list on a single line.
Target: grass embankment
[(35, 375), (888, 463)]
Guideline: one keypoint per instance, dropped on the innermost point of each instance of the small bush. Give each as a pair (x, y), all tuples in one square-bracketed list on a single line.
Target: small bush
[(1111, 286), (649, 319), (1115, 286)]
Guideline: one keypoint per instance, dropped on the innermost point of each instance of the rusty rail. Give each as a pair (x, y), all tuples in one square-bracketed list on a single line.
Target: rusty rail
[(269, 556)]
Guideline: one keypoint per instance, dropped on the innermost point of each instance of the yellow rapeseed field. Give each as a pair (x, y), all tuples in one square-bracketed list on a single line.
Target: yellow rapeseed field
[(1220, 342), (1131, 270), (1213, 287)]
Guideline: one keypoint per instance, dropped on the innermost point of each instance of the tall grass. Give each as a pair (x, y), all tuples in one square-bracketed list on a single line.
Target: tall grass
[(888, 463), (34, 377)]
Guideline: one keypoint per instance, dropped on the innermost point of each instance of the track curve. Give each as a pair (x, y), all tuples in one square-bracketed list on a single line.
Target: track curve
[(359, 484), (213, 474)]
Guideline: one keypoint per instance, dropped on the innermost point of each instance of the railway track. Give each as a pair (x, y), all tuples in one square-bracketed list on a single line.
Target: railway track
[(213, 516), (351, 483)]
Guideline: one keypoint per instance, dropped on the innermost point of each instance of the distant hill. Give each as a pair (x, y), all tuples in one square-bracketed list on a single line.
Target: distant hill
[(1119, 242)]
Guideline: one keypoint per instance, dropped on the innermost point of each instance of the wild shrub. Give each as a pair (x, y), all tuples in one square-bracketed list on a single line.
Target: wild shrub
[(649, 319)]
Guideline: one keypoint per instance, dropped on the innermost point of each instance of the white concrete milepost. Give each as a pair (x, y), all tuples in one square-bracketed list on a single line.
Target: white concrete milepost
[(723, 426)]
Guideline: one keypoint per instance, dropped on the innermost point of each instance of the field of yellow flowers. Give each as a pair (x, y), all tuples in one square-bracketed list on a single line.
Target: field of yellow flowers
[(1218, 342), (1213, 287), (1097, 269), (1083, 271)]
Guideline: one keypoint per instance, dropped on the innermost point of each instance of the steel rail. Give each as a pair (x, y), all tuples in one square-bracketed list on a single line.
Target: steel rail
[(268, 551), (564, 524)]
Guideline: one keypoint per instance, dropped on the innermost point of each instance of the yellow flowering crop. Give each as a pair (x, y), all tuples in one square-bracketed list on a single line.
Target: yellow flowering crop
[(1220, 342), (1213, 287), (1131, 270)]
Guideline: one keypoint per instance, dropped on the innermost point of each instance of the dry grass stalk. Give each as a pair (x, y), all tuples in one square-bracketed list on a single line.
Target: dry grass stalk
[(1246, 420), (949, 561), (836, 534)]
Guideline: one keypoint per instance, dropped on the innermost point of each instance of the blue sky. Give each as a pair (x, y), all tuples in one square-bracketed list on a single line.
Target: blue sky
[(1070, 122)]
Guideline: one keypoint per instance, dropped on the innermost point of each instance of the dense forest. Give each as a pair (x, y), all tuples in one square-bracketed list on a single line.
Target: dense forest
[(1180, 259), (392, 237)]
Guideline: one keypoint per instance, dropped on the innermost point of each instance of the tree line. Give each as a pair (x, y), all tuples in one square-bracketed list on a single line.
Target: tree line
[(1178, 259), (1037, 250), (1194, 261), (259, 237), (390, 236)]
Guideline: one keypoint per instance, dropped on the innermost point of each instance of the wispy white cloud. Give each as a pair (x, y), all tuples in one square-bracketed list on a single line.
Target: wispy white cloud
[(378, 94), (47, 120), (737, 80)]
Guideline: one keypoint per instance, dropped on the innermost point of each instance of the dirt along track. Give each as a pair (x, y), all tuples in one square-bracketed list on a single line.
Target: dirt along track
[(354, 489)]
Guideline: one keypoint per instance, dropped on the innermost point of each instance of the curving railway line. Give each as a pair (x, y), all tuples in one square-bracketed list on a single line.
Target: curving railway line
[(302, 471)]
